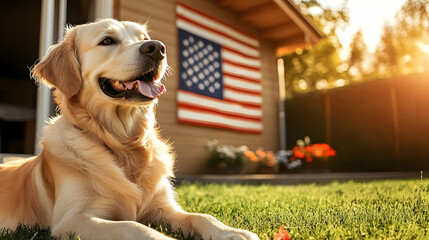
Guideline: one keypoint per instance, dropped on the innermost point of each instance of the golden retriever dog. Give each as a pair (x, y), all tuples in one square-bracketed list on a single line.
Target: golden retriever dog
[(103, 172)]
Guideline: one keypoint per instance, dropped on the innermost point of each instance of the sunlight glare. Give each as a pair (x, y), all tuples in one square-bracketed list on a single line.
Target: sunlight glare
[(367, 15), (302, 84), (322, 84), (340, 83), (424, 48)]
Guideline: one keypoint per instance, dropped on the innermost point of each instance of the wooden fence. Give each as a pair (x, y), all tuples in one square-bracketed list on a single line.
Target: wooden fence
[(380, 125)]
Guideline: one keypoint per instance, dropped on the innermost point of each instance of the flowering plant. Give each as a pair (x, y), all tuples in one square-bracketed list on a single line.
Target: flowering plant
[(266, 158), (257, 160), (225, 155), (282, 234), (263, 158), (285, 163), (304, 150), (230, 156)]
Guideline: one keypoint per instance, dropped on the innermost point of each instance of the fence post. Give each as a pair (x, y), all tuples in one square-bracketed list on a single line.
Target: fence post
[(328, 129), (395, 125)]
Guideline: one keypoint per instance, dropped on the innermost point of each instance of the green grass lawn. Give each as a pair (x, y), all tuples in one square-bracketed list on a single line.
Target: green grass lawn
[(397, 209)]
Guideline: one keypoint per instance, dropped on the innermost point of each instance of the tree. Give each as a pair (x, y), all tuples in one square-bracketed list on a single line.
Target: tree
[(319, 64), (387, 55), (327, 19), (400, 48), (358, 57), (306, 69)]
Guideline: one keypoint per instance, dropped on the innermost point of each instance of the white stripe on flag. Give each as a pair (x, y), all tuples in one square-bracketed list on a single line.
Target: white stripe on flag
[(241, 97), (241, 71), (215, 25), (218, 120), (219, 105), (216, 38), (234, 57), (238, 83)]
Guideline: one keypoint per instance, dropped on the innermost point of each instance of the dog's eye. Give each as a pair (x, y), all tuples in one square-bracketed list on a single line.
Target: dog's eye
[(107, 41)]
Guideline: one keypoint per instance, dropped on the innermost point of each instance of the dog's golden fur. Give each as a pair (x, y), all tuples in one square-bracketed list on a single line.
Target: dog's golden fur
[(104, 171)]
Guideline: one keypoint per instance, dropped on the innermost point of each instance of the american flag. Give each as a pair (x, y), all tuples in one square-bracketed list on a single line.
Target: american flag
[(220, 73)]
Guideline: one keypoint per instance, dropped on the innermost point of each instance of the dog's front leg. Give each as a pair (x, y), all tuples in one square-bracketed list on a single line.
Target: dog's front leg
[(208, 227), (96, 228), (205, 226)]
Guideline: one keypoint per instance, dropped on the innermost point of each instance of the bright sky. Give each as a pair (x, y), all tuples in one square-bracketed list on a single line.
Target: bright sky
[(368, 15)]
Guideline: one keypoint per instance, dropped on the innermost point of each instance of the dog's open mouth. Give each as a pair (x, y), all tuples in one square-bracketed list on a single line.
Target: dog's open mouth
[(142, 88)]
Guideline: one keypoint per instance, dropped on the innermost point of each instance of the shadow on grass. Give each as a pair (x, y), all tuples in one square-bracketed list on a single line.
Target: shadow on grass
[(24, 232)]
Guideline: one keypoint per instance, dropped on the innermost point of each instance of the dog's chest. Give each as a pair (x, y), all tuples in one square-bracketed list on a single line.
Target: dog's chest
[(140, 171), (133, 163)]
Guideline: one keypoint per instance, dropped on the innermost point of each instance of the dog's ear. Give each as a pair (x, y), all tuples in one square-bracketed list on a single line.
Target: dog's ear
[(60, 66)]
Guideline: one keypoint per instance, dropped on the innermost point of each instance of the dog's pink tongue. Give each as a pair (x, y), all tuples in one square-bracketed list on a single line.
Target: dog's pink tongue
[(148, 89)]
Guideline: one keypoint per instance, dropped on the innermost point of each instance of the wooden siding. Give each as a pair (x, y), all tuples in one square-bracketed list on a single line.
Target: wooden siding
[(189, 140)]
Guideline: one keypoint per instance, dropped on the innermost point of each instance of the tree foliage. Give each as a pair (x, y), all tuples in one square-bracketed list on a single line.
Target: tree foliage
[(400, 48), (321, 63), (403, 48), (328, 19), (357, 57), (303, 70)]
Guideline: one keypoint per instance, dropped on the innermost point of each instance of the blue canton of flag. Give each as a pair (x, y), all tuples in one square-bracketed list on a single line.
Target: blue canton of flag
[(200, 65)]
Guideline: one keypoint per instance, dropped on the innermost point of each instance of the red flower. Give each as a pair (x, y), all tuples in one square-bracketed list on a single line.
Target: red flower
[(309, 148), (317, 150), (298, 153), (330, 152), (318, 153), (281, 234)]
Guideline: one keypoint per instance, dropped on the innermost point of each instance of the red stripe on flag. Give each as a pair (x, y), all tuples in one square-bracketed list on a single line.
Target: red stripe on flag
[(252, 106), (239, 78), (218, 125), (241, 90), (253, 80), (219, 112), (241, 65), (240, 53), (243, 103)]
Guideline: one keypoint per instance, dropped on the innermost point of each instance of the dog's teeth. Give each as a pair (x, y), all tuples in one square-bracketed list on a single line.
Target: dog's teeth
[(118, 85)]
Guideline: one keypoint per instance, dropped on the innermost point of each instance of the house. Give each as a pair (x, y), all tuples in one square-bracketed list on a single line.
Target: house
[(259, 30)]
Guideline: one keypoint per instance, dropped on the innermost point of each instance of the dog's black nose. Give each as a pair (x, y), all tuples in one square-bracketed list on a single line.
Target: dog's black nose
[(154, 49)]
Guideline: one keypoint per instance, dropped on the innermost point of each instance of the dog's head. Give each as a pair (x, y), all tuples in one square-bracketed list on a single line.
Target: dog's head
[(107, 61)]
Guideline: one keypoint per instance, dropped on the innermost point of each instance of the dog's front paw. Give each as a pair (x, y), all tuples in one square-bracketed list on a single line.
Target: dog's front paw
[(237, 234)]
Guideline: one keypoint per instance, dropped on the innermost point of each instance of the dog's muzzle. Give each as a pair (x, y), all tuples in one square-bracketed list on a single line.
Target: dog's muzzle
[(143, 87)]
